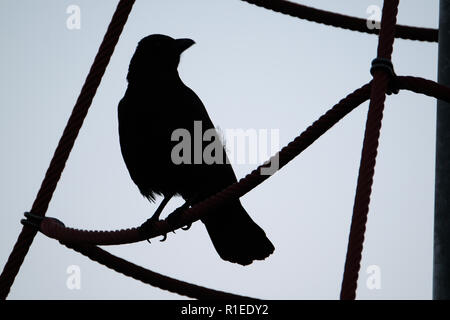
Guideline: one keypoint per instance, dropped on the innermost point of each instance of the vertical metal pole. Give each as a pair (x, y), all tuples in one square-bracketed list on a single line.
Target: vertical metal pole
[(441, 265)]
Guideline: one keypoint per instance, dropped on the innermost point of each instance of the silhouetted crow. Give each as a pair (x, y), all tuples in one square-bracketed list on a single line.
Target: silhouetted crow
[(155, 104)]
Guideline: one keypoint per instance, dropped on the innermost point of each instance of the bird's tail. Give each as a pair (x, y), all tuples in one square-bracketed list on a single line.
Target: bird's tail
[(235, 236)]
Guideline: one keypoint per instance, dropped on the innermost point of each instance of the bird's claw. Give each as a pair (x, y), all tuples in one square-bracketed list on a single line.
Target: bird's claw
[(186, 227), (165, 236), (171, 219), (148, 227)]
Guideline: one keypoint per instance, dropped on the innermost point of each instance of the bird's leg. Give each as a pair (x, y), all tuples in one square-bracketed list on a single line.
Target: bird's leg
[(185, 206), (188, 226), (193, 201), (177, 211), (161, 207), (147, 225)]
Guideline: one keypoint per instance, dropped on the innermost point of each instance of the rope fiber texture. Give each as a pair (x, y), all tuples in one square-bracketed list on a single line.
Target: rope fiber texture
[(380, 83), (84, 241), (342, 21), (152, 278), (66, 143), (55, 229)]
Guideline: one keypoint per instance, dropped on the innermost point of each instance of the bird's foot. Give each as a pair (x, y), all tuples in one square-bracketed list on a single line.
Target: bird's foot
[(174, 216), (148, 227), (185, 206), (186, 227)]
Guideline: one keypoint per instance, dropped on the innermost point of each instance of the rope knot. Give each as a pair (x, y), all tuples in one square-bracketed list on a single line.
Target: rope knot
[(32, 220), (387, 66)]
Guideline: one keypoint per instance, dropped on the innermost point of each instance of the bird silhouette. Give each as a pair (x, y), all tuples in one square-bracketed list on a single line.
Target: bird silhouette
[(155, 104)]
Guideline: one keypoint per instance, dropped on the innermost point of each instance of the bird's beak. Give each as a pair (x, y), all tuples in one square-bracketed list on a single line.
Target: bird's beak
[(183, 44)]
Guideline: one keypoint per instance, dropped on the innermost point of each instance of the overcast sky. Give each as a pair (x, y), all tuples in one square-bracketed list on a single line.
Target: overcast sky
[(252, 68)]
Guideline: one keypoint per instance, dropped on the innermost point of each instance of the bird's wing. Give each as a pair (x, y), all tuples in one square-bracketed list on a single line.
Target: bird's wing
[(221, 175)]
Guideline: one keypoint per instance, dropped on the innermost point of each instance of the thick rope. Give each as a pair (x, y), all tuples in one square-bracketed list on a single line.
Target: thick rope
[(66, 143), (54, 229), (369, 153), (72, 237), (365, 179), (342, 21), (152, 278), (424, 86)]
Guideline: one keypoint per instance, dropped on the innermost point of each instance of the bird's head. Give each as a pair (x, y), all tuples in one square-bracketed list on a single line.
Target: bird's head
[(157, 53)]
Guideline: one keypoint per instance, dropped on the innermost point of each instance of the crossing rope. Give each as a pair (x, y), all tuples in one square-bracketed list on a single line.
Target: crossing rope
[(66, 143), (342, 21), (384, 81), (369, 152)]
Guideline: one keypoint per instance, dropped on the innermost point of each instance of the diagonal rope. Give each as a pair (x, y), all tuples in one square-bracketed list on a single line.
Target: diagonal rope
[(152, 278), (66, 143), (424, 86), (377, 88), (369, 153), (342, 21), (82, 241), (72, 238), (55, 229)]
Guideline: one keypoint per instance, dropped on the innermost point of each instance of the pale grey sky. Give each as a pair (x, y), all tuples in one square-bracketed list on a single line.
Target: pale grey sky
[(253, 69)]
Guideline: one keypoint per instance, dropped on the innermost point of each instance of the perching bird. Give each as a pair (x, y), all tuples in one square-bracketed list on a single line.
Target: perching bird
[(155, 104)]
